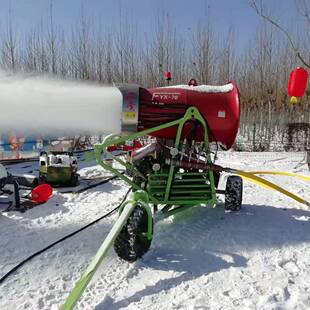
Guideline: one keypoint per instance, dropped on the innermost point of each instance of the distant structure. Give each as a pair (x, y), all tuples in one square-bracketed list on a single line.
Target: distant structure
[(298, 137)]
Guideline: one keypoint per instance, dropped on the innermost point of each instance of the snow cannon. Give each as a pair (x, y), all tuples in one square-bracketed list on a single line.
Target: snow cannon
[(147, 108), (53, 108), (164, 149), (173, 168)]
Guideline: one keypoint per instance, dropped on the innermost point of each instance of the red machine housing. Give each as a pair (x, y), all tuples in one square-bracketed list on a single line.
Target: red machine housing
[(220, 109)]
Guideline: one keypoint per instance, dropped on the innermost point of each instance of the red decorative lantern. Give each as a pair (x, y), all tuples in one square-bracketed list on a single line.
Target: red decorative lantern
[(41, 193), (168, 75), (297, 83)]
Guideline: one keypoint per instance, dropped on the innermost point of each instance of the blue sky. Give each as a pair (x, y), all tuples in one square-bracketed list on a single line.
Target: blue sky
[(27, 14)]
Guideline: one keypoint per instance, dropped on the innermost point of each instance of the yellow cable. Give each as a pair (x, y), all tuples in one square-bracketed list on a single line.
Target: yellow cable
[(291, 174), (251, 180), (262, 182)]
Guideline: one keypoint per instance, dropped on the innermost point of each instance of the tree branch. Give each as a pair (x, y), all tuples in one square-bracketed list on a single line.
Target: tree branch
[(260, 12)]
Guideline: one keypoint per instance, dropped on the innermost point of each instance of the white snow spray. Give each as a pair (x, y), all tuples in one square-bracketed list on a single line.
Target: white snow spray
[(32, 105)]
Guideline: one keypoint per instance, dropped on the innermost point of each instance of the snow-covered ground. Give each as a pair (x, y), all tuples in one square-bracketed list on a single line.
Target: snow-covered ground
[(206, 258)]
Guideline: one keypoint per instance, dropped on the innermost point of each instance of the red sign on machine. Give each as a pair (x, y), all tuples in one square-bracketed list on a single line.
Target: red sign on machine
[(130, 109)]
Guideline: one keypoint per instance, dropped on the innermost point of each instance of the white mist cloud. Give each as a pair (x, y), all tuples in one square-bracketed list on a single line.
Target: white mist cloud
[(49, 106)]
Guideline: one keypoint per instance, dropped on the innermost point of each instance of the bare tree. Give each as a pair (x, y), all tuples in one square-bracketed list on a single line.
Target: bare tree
[(127, 54), (226, 66), (52, 41), (203, 58), (30, 61), (125, 43), (63, 57), (80, 49), (302, 8), (9, 46)]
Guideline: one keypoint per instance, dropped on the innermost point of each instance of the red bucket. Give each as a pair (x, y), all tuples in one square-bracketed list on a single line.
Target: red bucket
[(41, 193)]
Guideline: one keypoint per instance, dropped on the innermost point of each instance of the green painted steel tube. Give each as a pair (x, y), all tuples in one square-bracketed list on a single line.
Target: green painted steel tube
[(102, 252), (141, 198), (191, 113)]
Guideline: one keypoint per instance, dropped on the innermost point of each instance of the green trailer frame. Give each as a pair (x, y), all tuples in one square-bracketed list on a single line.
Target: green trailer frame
[(166, 187), (163, 189)]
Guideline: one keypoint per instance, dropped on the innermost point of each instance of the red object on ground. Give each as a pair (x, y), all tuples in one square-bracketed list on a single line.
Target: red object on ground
[(41, 193), (297, 82), (221, 110)]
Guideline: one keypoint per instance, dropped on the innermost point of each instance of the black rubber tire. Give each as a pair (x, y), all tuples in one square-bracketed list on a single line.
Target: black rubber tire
[(233, 193), (132, 242), (216, 176)]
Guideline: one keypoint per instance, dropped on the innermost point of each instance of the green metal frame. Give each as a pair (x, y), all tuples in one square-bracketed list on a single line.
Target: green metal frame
[(138, 198), (174, 185), (170, 178)]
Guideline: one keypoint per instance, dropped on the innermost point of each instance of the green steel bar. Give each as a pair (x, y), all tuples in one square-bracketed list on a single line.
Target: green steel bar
[(191, 186), (187, 116), (189, 180), (191, 113), (127, 209), (144, 132), (209, 161), (99, 148), (97, 153), (178, 209), (142, 198), (81, 285), (191, 202)]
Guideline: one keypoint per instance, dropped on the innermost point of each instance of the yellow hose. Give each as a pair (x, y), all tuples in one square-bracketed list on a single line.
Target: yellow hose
[(262, 182), (291, 174)]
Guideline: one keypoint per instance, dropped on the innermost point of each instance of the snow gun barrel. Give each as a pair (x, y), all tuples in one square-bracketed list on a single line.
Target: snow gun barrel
[(51, 107), (148, 108)]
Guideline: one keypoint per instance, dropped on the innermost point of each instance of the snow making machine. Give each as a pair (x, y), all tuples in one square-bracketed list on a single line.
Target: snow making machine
[(173, 170), (164, 136)]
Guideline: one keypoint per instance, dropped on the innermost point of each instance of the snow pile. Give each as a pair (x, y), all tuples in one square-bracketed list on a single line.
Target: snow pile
[(205, 88), (41, 105), (206, 258)]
